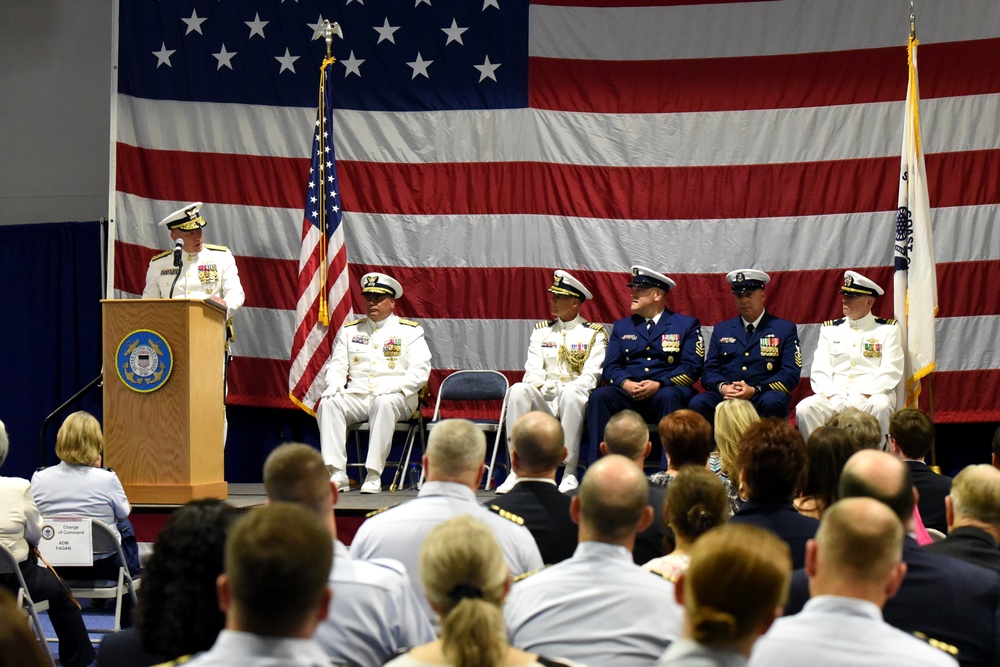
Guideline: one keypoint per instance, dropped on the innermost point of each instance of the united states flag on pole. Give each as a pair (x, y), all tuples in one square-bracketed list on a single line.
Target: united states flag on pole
[(915, 278), (324, 302)]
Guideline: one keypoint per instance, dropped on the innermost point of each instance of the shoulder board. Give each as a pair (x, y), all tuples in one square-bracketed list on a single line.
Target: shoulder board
[(833, 323), (882, 320), (937, 643), (671, 578), (525, 575), (409, 323), (594, 326), (355, 322), (162, 254), (545, 324), (212, 246), (510, 516), (376, 512)]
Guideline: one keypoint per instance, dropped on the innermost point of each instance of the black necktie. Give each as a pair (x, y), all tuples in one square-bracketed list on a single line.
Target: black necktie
[(649, 325), (749, 331)]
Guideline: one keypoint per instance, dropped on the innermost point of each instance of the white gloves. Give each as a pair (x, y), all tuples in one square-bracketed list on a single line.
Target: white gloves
[(331, 391), (549, 390)]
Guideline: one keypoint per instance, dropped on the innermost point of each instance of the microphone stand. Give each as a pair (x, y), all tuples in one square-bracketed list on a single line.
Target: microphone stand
[(178, 263)]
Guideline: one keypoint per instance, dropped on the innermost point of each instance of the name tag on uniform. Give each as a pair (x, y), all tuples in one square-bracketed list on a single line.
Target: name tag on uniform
[(769, 345), (872, 348), (671, 342)]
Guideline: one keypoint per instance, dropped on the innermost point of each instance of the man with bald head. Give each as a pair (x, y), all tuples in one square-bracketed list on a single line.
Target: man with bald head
[(453, 465), (585, 608), (854, 566), (953, 604), (537, 449), (973, 514)]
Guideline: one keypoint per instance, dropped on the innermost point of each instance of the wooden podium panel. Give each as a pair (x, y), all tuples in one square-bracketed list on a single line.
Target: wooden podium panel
[(166, 445)]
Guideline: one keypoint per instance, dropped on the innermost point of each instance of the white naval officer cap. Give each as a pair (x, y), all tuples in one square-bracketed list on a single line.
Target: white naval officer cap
[(379, 283), (567, 285), (747, 280), (643, 277), (855, 284), (186, 219)]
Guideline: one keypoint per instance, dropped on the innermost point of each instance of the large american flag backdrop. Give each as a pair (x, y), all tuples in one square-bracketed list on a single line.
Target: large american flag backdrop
[(483, 143)]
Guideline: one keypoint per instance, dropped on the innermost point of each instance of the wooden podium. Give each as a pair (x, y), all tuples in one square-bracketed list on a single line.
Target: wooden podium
[(166, 444)]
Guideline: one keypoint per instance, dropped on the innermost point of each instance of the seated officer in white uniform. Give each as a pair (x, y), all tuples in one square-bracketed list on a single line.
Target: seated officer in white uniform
[(206, 271), (565, 355), (378, 367), (858, 361)]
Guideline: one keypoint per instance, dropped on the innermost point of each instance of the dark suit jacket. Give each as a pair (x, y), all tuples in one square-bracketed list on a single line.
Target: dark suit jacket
[(648, 543), (785, 522), (941, 597), (973, 545), (933, 488), (546, 514)]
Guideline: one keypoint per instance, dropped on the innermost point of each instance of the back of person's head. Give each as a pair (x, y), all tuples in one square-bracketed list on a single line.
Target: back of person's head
[(875, 474), (736, 583), (863, 427), (4, 443), (696, 502), (178, 612), (913, 432), (278, 561), (296, 473), (626, 434), (827, 450), (455, 449), (18, 646), (772, 461), (79, 440), (537, 438), (732, 419), (686, 438), (613, 498), (975, 494), (466, 579), (859, 540)]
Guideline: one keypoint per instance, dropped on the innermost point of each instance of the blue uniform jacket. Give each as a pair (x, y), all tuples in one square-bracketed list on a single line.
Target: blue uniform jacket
[(770, 360), (672, 353)]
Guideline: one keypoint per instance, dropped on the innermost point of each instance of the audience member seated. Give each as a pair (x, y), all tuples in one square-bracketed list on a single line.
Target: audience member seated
[(952, 604), (537, 449), (732, 591), (18, 645), (453, 465), (627, 435), (467, 580), (732, 419), (863, 427), (374, 612), (598, 607), (20, 530), (772, 460), (827, 451), (273, 590), (79, 486), (911, 437), (854, 566), (973, 513), (178, 612), (687, 440), (696, 502)]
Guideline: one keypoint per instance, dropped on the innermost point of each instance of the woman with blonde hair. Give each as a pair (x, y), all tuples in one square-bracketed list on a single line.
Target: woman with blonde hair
[(467, 580), (734, 588), (732, 419)]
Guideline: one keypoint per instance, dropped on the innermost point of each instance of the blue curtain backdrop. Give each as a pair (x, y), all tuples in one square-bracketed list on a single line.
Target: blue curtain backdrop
[(50, 329)]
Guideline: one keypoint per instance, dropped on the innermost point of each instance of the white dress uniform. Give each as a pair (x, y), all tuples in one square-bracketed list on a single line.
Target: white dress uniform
[(832, 631), (399, 532), (209, 273), (596, 608), (555, 352), (232, 647), (384, 366), (854, 359), (374, 612)]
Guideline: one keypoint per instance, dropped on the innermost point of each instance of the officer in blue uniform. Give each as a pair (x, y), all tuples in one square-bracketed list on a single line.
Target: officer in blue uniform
[(654, 357), (753, 357)]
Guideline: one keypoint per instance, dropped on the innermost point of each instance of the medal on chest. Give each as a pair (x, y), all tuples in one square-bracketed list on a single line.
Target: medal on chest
[(872, 348), (671, 342), (769, 346), (391, 349)]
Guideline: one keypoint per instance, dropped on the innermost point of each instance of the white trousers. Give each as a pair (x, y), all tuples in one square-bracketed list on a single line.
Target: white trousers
[(336, 413), (814, 411), (569, 407)]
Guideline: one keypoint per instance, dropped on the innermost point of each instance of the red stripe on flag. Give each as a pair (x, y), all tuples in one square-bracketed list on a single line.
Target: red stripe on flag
[(761, 82)]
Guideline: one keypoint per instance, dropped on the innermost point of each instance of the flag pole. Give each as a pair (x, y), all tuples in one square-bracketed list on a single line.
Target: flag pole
[(328, 30)]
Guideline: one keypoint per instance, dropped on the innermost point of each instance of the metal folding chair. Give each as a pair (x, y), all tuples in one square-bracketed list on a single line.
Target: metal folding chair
[(414, 427), (8, 565), (476, 386)]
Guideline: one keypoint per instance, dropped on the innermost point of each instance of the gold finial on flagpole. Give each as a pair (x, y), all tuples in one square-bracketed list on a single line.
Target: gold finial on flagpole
[(328, 30)]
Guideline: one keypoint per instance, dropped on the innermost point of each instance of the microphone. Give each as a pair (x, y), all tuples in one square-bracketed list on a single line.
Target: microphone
[(178, 244)]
